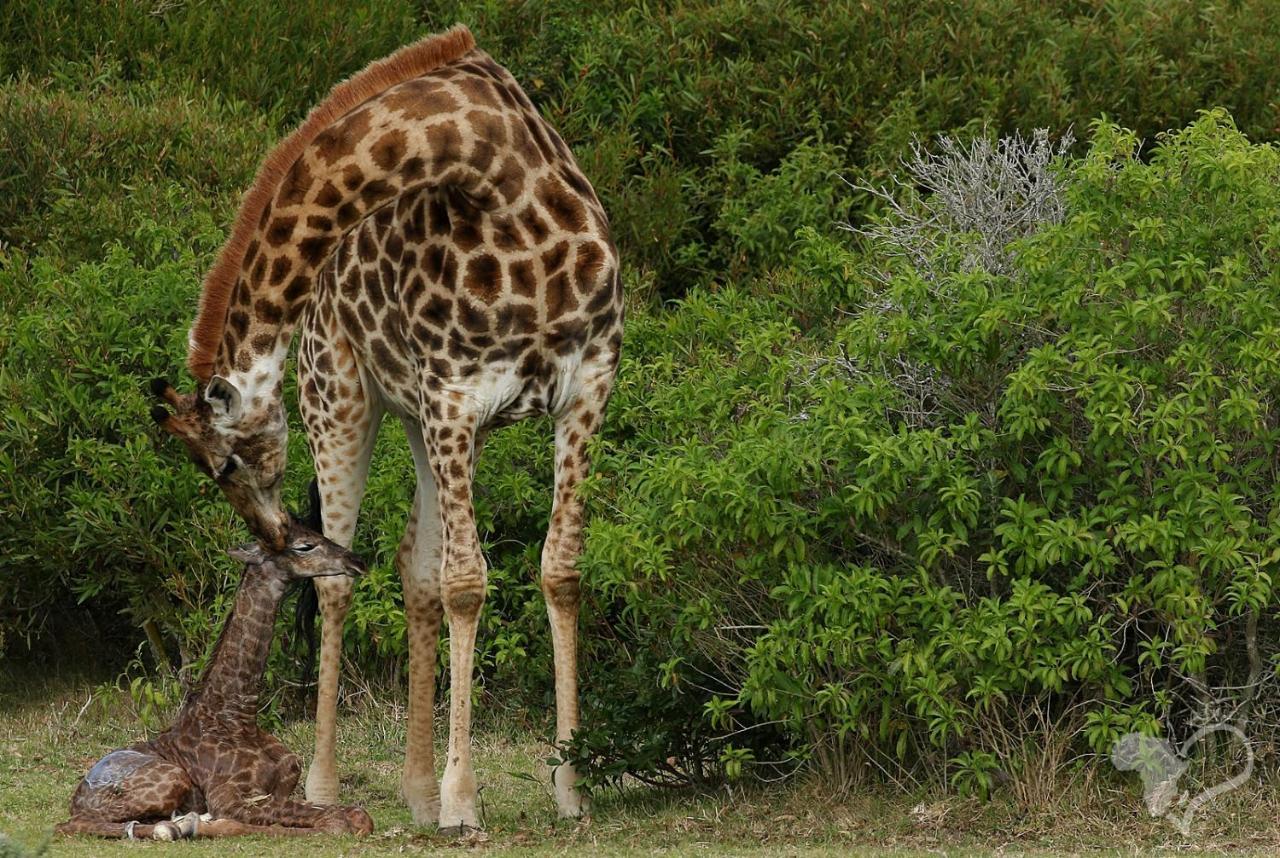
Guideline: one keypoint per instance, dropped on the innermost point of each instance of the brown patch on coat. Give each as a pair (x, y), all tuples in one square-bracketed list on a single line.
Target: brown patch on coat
[(410, 62)]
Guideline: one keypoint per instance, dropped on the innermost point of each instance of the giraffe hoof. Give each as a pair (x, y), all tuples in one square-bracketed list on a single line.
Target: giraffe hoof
[(423, 802), (460, 831), (321, 789)]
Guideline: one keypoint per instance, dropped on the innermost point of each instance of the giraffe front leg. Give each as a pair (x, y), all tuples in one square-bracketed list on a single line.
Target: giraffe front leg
[(451, 437), (418, 562), (560, 585), (322, 776), (226, 803), (284, 778), (342, 426)]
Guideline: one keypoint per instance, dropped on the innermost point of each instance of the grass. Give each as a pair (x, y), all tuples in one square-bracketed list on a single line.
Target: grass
[(50, 733)]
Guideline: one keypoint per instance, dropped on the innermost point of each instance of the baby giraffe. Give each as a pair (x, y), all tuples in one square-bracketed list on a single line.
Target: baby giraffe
[(215, 764)]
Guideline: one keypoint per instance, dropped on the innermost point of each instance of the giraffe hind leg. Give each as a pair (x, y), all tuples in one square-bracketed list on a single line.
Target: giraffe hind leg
[(560, 582), (418, 562), (451, 439), (90, 827), (128, 792), (206, 830)]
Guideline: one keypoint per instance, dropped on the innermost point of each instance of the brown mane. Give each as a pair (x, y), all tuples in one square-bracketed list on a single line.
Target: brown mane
[(405, 64)]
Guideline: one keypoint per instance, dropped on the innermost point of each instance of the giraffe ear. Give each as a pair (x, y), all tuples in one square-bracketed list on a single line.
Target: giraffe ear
[(249, 553), (224, 398)]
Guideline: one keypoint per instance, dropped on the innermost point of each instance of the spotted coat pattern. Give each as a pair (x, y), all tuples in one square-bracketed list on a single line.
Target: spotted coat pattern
[(449, 264), (215, 758)]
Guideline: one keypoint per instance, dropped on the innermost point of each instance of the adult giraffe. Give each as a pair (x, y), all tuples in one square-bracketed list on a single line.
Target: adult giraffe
[(449, 263)]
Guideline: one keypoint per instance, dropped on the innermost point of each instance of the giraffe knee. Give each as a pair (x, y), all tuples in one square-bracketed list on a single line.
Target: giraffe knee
[(463, 593), (562, 589), (289, 768)]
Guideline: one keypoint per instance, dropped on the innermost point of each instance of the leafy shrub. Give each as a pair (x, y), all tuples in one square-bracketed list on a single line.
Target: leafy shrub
[(92, 509), (86, 168), (645, 94), (965, 508), (279, 59)]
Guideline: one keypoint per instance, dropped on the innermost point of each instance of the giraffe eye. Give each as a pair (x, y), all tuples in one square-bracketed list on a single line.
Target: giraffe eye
[(229, 467), (304, 548)]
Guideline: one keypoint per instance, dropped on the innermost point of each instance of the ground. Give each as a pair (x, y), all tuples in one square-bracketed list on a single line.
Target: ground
[(50, 735)]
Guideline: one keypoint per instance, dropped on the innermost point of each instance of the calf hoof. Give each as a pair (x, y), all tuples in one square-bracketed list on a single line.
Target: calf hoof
[(166, 831), (334, 821), (189, 824), (345, 820)]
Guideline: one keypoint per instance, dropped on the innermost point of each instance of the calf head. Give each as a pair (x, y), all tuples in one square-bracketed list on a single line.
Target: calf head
[(306, 554)]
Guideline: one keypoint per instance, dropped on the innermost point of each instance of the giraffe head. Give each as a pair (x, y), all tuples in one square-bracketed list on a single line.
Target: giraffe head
[(240, 441), (306, 554)]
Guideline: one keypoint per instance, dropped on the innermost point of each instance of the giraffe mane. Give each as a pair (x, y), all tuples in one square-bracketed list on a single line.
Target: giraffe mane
[(405, 64)]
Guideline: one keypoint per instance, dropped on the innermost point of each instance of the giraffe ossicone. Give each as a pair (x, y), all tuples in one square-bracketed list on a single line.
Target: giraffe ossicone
[(444, 259)]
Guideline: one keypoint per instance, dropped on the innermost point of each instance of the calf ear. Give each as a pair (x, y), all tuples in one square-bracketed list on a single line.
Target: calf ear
[(224, 398), (250, 552)]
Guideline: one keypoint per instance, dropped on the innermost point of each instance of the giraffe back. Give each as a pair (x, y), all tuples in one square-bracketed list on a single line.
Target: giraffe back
[(507, 291)]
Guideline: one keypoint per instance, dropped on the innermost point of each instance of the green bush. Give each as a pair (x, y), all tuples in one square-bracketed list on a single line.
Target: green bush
[(278, 58), (961, 510), (88, 167), (91, 508), (646, 93)]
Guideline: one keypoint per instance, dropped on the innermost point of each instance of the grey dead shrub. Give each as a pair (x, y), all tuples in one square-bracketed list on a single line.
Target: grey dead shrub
[(980, 195), (960, 206)]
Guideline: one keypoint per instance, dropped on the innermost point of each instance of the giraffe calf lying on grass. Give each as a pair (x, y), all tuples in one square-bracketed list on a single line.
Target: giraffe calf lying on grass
[(215, 764)]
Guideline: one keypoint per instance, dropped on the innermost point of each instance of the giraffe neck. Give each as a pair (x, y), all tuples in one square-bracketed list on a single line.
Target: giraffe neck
[(233, 680)]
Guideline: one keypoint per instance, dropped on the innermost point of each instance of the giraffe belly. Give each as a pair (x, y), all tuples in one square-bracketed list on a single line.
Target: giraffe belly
[(498, 394), (394, 369)]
